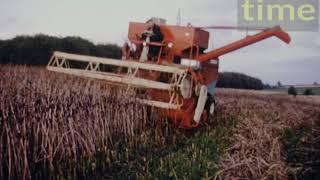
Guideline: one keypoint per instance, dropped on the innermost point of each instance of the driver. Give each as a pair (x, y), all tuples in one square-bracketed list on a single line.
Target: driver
[(155, 35)]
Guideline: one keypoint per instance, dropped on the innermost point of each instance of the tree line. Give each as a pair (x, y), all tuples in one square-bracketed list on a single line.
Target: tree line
[(240, 81), (37, 49)]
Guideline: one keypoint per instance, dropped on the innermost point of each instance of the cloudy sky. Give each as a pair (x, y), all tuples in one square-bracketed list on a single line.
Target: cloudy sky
[(106, 21)]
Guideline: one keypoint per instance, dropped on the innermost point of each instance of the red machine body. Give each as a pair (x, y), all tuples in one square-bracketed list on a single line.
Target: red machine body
[(168, 66), (190, 43)]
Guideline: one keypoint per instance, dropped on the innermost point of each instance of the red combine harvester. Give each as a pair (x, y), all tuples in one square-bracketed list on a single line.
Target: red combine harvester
[(168, 64)]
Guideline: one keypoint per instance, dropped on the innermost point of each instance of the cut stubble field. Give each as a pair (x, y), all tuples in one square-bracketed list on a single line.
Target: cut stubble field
[(64, 127)]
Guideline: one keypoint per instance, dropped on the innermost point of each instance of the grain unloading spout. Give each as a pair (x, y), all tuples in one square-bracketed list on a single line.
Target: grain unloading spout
[(275, 31)]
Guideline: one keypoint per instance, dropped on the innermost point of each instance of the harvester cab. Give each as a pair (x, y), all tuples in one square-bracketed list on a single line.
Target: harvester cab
[(168, 64)]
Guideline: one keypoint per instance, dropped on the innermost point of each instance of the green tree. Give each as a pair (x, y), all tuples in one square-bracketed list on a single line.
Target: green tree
[(308, 92), (292, 91), (267, 86), (239, 81), (279, 84), (37, 49)]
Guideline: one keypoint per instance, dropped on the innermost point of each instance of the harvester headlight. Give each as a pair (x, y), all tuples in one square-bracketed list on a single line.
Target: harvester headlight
[(191, 63), (170, 44)]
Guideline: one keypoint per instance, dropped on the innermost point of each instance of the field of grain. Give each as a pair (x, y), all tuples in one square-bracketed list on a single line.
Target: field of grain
[(63, 127), (300, 90), (276, 136)]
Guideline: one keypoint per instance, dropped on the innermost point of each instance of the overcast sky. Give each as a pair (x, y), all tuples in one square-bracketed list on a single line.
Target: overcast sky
[(103, 21)]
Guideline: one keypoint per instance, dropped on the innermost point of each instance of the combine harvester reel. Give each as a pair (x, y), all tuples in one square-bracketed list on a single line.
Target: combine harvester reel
[(167, 64), (99, 68)]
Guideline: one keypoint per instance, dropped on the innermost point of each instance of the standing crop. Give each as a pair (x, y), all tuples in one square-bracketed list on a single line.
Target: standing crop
[(63, 127), (50, 122)]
